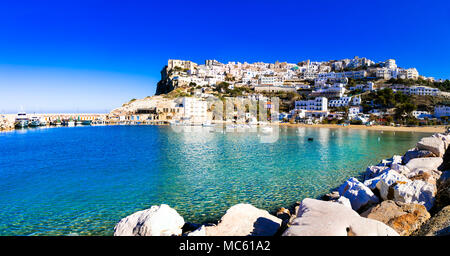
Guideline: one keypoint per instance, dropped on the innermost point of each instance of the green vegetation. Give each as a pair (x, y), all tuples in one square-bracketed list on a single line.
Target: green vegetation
[(332, 121), (224, 89), (386, 98), (179, 92)]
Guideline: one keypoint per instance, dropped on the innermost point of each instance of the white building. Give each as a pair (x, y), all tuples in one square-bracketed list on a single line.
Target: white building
[(317, 104), (383, 73), (416, 90), (353, 112), (345, 101), (271, 80), (341, 102), (356, 101), (410, 73), (184, 64), (420, 114), (194, 109), (336, 90), (423, 90), (390, 64), (441, 110)]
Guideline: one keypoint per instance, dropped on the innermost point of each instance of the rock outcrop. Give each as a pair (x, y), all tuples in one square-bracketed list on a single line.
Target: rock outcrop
[(245, 220), (374, 171), (443, 192), (425, 163), (433, 144), (403, 218), (438, 225), (394, 186), (415, 153), (156, 221), (325, 218), (358, 194), (416, 191), (384, 181)]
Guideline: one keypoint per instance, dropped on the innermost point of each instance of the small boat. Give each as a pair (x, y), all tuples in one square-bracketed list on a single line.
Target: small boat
[(69, 122), (43, 122), (34, 122), (79, 122), (310, 139), (21, 120), (86, 122)]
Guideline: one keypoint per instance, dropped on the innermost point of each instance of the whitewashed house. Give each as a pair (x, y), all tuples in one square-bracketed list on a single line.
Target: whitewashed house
[(441, 110)]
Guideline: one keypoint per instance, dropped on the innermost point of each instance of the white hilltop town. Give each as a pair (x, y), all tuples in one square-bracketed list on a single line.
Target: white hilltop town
[(347, 91), (335, 91)]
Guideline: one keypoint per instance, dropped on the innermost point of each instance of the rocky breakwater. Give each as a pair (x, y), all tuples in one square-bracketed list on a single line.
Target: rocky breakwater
[(403, 195), (239, 220)]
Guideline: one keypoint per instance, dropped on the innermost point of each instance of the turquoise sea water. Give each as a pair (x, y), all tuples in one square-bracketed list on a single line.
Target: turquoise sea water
[(83, 180)]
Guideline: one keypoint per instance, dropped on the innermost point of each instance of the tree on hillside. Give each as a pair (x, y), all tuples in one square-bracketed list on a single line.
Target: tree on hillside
[(403, 111)]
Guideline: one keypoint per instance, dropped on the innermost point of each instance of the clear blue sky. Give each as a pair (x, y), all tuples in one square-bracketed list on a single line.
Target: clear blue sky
[(95, 55)]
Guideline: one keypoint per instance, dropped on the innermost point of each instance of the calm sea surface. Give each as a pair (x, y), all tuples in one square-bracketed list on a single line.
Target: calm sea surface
[(83, 180)]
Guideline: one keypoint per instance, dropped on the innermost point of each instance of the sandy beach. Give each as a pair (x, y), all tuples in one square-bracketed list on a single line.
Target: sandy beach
[(430, 129)]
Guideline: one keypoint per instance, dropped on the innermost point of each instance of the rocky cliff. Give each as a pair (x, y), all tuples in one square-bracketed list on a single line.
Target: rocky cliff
[(166, 84)]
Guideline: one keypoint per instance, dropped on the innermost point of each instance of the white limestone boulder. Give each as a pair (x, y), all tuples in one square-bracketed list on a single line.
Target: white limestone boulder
[(433, 144), (402, 169), (373, 171), (416, 191), (324, 218), (397, 187), (396, 159), (388, 177), (415, 153), (245, 220), (429, 176), (425, 163), (388, 162), (156, 221), (385, 163), (344, 201), (445, 138), (358, 194)]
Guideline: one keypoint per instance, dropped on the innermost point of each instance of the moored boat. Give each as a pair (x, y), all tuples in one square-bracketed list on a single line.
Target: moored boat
[(79, 122), (34, 122), (43, 122), (21, 120)]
